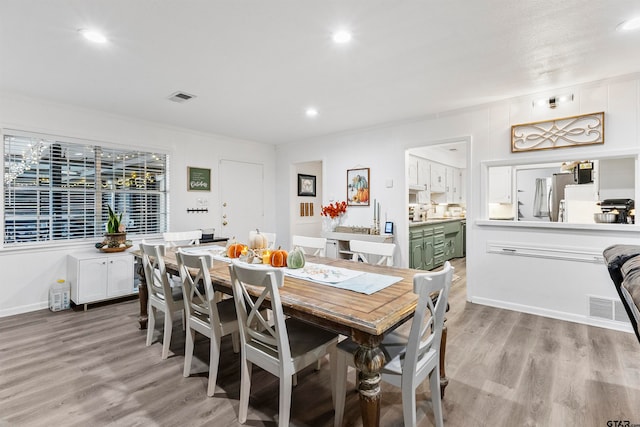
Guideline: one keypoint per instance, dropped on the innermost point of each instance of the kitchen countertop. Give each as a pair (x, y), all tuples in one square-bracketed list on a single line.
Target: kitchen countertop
[(435, 221)]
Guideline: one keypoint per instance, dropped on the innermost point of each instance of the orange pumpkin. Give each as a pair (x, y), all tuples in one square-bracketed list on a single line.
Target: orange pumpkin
[(278, 258), (235, 250), (363, 195)]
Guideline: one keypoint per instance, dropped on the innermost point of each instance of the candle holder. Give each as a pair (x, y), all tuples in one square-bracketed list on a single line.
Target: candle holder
[(375, 230)]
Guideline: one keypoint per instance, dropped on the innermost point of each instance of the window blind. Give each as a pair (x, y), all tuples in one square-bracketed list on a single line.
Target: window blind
[(57, 189)]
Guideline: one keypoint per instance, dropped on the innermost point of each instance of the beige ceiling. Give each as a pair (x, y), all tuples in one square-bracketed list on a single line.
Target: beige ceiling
[(256, 65)]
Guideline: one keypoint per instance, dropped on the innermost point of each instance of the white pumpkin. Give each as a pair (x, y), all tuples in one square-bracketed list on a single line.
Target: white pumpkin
[(258, 241)]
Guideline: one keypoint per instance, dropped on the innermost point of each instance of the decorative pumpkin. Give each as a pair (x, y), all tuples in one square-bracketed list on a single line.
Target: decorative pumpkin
[(235, 250), (363, 195), (278, 258), (295, 259), (258, 241)]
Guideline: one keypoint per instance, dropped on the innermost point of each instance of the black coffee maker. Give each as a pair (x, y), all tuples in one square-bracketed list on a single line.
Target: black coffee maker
[(623, 206)]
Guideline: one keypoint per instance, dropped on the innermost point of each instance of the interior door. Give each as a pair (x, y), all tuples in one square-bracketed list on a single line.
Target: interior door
[(241, 198)]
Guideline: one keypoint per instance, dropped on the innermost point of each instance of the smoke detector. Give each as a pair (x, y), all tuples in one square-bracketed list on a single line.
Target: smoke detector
[(180, 96)]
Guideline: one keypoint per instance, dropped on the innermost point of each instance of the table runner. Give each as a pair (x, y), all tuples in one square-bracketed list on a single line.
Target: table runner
[(337, 277)]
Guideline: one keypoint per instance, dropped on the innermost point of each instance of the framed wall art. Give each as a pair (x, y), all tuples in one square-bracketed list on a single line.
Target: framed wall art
[(574, 131), (198, 179), (306, 185), (358, 187)]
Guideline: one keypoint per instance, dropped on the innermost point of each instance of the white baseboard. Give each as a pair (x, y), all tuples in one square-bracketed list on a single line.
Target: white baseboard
[(560, 315), (24, 309)]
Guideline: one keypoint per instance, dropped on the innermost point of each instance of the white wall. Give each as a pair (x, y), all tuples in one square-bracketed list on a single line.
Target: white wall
[(306, 225), (549, 287), (27, 274)]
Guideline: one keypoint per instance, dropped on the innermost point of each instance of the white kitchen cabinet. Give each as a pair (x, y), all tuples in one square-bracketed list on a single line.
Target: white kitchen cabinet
[(453, 185), (424, 177), (99, 276), (418, 173), (500, 184), (438, 178), (412, 170)]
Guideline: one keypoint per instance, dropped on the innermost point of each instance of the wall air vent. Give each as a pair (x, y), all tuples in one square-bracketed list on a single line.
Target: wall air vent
[(180, 97), (605, 308)]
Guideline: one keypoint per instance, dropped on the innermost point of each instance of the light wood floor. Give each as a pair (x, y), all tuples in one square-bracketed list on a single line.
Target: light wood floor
[(78, 368)]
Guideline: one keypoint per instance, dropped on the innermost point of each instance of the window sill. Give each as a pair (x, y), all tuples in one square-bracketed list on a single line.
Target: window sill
[(557, 225)]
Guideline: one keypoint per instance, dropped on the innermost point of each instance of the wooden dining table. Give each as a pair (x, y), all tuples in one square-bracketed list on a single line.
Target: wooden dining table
[(364, 318)]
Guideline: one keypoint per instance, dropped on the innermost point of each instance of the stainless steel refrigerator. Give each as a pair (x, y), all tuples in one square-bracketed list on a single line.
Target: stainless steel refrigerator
[(558, 182)]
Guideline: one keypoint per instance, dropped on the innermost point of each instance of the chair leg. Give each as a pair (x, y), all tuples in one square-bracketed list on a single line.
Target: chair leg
[(188, 352), (409, 403), (235, 341), (245, 388), (333, 369), (151, 324), (168, 326), (339, 379), (285, 400), (436, 400), (214, 359)]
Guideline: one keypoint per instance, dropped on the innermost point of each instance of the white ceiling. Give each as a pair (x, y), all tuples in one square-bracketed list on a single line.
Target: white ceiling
[(256, 65)]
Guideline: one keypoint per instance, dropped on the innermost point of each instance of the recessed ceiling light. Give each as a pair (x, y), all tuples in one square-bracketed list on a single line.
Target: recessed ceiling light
[(311, 112), (93, 36), (342, 37), (629, 25)]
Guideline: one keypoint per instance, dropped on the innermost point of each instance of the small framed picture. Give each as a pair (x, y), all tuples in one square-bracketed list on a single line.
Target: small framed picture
[(198, 179), (306, 185), (358, 187), (388, 227)]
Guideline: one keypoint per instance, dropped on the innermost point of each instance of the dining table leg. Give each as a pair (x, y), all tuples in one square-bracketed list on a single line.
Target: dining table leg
[(143, 294), (369, 360)]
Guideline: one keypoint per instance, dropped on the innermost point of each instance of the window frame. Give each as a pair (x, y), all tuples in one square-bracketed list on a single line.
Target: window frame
[(91, 198)]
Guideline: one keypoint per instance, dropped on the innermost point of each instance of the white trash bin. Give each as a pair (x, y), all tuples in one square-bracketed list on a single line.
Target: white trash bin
[(59, 295)]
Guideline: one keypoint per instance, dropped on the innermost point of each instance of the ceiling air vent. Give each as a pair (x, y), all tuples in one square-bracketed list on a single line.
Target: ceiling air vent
[(180, 97)]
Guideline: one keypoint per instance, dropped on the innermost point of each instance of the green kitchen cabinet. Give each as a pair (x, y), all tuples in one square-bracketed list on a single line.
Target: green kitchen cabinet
[(430, 245), (452, 240)]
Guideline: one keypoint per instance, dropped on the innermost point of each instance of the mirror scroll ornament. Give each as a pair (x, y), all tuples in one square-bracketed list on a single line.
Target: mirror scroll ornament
[(575, 131)]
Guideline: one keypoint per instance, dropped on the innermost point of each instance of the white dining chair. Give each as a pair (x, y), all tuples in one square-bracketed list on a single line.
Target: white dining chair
[(317, 244), (162, 296), (409, 361), (282, 347), (363, 251), (271, 238), (204, 313), (182, 238)]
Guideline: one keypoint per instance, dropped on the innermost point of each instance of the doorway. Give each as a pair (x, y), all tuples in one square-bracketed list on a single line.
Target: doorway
[(306, 191), (241, 198)]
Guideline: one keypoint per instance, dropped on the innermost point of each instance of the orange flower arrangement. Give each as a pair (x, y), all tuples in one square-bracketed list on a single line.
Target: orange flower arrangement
[(334, 210)]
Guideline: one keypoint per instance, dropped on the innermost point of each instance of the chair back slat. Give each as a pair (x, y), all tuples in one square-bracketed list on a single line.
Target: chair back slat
[(199, 296), (362, 250), (155, 271), (255, 328), (317, 244), (428, 320), (182, 238)]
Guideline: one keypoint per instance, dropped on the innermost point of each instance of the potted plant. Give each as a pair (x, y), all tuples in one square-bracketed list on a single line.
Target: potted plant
[(115, 235)]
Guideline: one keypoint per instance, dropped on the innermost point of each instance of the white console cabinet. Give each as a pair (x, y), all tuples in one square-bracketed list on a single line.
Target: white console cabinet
[(99, 276), (338, 243)]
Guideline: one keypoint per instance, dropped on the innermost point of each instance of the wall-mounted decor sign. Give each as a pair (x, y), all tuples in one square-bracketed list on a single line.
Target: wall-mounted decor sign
[(306, 185), (358, 187), (573, 131), (198, 179)]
